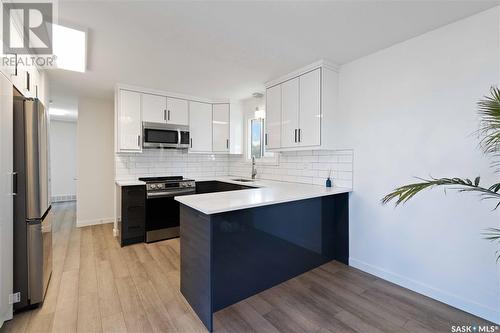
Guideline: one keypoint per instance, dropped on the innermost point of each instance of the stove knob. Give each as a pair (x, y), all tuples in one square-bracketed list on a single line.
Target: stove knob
[(154, 186)]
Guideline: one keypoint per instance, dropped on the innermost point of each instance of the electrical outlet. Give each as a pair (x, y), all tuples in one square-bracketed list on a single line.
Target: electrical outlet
[(15, 298)]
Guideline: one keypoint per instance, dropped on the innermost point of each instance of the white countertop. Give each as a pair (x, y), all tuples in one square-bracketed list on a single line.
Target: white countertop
[(267, 192), (129, 182)]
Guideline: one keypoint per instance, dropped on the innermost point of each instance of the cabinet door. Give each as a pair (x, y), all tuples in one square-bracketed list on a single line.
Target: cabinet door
[(310, 109), (273, 117), (129, 121), (289, 113), (177, 111), (220, 127), (200, 127), (154, 108)]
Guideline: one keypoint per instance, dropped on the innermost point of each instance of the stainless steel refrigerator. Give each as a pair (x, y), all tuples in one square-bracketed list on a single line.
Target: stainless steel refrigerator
[(32, 209)]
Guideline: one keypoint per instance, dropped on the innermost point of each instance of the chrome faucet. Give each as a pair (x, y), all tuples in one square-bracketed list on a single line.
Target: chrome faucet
[(254, 170)]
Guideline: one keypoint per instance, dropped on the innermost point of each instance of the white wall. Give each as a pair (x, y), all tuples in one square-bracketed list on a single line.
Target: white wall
[(95, 162), (410, 110), (63, 160)]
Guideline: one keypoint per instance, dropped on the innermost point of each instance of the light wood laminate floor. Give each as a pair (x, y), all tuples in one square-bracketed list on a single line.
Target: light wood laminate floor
[(97, 286)]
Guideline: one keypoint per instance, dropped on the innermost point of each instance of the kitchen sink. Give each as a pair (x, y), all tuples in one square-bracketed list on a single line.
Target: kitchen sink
[(243, 180)]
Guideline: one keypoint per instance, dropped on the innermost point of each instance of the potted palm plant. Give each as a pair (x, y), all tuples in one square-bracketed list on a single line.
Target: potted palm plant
[(489, 134)]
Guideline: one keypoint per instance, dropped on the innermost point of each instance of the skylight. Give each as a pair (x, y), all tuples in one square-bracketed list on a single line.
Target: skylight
[(70, 48)]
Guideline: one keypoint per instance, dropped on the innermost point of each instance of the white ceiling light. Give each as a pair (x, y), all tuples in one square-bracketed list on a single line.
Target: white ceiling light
[(58, 112), (70, 48)]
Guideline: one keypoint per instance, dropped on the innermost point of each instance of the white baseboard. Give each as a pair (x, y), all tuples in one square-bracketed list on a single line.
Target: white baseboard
[(85, 223), (474, 308)]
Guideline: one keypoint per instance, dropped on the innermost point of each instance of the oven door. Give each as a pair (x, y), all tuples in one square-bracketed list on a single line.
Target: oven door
[(160, 138), (163, 214)]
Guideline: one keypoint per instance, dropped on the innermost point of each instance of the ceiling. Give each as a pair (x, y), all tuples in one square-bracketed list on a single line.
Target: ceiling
[(229, 49)]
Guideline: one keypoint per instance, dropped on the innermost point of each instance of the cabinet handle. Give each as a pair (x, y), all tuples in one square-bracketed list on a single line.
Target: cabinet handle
[(265, 139), (27, 80), (227, 143), (15, 68), (191, 142), (168, 115), (165, 115), (299, 134), (14, 183), (295, 132), (139, 141)]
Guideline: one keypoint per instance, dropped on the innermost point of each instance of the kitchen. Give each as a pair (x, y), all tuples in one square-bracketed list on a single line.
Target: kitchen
[(216, 196)]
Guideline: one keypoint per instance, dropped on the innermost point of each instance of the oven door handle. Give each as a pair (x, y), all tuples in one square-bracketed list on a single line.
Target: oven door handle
[(166, 194)]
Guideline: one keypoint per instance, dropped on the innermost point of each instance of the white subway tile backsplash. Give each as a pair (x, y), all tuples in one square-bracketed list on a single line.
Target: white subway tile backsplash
[(311, 167)]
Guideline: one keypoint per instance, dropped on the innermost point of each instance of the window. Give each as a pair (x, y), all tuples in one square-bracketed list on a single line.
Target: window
[(255, 138)]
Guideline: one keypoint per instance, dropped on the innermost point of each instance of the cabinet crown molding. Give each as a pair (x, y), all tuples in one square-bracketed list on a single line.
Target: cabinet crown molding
[(318, 64), (123, 86)]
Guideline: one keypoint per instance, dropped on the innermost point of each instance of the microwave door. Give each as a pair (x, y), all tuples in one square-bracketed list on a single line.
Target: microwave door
[(160, 138)]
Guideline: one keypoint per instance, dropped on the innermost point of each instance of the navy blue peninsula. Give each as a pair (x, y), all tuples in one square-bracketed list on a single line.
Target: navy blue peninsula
[(239, 243)]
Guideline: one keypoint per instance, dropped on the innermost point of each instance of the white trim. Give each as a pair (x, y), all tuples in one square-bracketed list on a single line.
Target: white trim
[(318, 64), (84, 223), (458, 302)]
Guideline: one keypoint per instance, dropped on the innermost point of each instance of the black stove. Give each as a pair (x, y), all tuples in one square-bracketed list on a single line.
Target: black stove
[(162, 211)]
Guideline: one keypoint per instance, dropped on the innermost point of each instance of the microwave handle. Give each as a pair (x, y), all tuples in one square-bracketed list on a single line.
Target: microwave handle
[(179, 137)]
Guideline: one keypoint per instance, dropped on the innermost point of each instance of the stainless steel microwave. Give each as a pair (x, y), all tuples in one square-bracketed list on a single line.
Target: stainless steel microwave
[(165, 136)]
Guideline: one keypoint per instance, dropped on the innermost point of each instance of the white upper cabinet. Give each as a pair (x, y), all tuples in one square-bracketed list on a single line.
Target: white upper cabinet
[(309, 99), (289, 113), (310, 109), (154, 108), (273, 117), (164, 110), (129, 124), (200, 127), (177, 111), (220, 127)]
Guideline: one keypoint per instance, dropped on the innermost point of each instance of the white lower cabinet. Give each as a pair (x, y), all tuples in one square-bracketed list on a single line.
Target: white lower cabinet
[(220, 128), (129, 122), (200, 127)]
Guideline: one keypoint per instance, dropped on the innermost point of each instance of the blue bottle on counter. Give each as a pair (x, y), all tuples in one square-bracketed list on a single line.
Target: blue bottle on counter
[(328, 182)]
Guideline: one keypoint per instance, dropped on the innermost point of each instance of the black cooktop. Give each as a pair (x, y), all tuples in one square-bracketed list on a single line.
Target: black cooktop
[(161, 179)]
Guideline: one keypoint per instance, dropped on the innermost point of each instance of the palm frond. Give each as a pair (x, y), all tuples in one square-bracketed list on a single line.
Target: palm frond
[(489, 128), (492, 234), (404, 193)]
